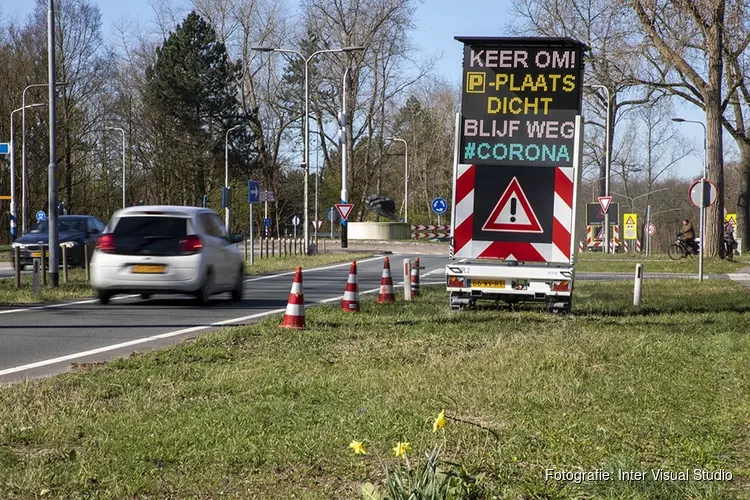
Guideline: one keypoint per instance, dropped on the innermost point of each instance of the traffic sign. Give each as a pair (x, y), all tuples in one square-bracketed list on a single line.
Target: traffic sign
[(267, 222), (731, 218), (4, 148), (344, 209), (513, 212), (332, 215), (604, 202), (316, 224), (650, 229), (630, 224), (295, 220), (439, 205), (266, 195), (40, 216), (694, 194), (253, 191)]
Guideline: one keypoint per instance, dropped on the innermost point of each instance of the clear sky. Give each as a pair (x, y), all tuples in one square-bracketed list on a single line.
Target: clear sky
[(437, 22)]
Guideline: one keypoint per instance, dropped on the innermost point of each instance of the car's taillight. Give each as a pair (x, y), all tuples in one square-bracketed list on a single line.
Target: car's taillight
[(191, 244), (106, 243)]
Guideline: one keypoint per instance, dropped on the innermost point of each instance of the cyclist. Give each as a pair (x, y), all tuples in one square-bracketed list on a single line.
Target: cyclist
[(729, 242), (688, 234)]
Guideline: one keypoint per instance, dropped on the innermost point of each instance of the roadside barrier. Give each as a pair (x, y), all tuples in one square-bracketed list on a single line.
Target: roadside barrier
[(350, 302), (386, 284), (294, 317)]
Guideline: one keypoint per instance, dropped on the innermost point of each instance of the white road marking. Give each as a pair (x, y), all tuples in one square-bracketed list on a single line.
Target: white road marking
[(291, 273)]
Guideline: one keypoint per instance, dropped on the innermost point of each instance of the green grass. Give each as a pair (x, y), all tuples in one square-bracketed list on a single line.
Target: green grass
[(78, 288), (657, 263), (263, 412)]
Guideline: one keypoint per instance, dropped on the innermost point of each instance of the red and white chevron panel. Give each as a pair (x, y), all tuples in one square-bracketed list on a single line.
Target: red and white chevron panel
[(440, 228), (429, 236), (559, 250)]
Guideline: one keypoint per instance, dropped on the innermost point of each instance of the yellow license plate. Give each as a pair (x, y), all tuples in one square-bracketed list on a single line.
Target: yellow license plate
[(149, 269), (487, 284), (36, 255)]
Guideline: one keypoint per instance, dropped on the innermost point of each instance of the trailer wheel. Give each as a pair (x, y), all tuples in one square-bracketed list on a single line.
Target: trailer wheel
[(559, 306)]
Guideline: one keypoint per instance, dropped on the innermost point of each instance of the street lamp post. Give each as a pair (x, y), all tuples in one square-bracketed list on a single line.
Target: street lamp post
[(54, 230), (607, 165), (307, 124), (406, 176), (703, 196), (123, 161), (344, 173), (13, 223), (24, 182), (226, 173)]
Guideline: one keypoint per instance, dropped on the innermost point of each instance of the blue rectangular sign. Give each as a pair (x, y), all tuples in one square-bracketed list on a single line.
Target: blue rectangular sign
[(4, 148), (253, 191)]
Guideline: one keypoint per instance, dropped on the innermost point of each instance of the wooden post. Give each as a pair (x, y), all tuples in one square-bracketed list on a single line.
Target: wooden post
[(17, 265), (65, 262), (273, 247), (245, 240), (44, 265)]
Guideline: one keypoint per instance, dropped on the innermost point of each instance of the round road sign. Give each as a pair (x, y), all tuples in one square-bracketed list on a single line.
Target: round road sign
[(439, 205), (40, 216), (267, 222), (332, 214), (650, 229), (295, 220), (694, 194)]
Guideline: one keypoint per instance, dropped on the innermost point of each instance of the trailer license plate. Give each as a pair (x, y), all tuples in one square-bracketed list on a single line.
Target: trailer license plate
[(487, 284), (149, 269), (36, 255)]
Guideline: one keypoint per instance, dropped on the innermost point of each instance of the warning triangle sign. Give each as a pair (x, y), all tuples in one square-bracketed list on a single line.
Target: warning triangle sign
[(630, 221), (513, 212), (344, 209), (604, 201)]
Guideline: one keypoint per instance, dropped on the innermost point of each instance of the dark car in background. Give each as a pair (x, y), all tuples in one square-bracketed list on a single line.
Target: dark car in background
[(76, 230)]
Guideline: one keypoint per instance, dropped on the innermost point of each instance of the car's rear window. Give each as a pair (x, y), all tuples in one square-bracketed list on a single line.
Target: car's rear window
[(149, 235)]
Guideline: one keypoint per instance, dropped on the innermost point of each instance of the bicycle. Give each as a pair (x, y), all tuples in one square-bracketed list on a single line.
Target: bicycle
[(679, 249)]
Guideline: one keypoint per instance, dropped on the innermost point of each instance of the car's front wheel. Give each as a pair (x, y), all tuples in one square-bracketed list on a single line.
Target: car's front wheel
[(103, 296), (239, 284)]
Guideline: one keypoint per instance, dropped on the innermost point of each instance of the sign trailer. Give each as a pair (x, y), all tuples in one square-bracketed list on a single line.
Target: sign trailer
[(516, 169)]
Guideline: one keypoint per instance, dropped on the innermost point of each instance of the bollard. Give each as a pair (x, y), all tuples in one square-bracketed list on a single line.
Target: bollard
[(324, 245), (638, 284), (286, 247), (44, 266), (35, 277), (245, 240), (273, 247), (407, 278), (17, 265), (86, 262), (65, 262), (266, 247)]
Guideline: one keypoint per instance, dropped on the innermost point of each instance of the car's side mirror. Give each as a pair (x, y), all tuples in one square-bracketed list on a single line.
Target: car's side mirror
[(236, 237)]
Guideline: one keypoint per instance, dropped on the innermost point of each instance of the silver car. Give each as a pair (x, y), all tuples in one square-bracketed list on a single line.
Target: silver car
[(167, 249)]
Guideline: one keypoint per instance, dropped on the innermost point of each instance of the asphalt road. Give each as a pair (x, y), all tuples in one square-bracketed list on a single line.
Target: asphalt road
[(44, 340)]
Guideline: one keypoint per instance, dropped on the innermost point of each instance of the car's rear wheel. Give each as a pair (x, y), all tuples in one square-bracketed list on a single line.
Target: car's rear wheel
[(103, 296), (239, 284), (207, 289)]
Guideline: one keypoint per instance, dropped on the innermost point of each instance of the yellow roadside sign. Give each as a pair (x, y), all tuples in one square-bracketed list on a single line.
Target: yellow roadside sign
[(630, 224), (731, 218)]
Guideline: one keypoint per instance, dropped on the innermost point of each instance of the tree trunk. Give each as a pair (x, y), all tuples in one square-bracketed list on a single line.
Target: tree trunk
[(743, 202)]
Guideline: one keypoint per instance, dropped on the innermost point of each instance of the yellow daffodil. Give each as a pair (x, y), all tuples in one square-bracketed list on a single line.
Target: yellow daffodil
[(439, 422), (401, 449), (358, 448)]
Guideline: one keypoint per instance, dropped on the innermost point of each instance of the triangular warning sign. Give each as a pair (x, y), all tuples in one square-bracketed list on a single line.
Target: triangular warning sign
[(604, 202), (513, 212), (344, 209), (630, 220), (600, 236)]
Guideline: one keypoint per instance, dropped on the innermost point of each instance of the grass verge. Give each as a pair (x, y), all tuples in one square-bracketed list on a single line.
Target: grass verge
[(77, 286), (659, 263), (261, 412)]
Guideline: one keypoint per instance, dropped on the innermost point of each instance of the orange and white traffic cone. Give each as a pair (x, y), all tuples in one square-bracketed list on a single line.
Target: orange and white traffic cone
[(294, 317), (415, 279), (351, 294), (386, 284)]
